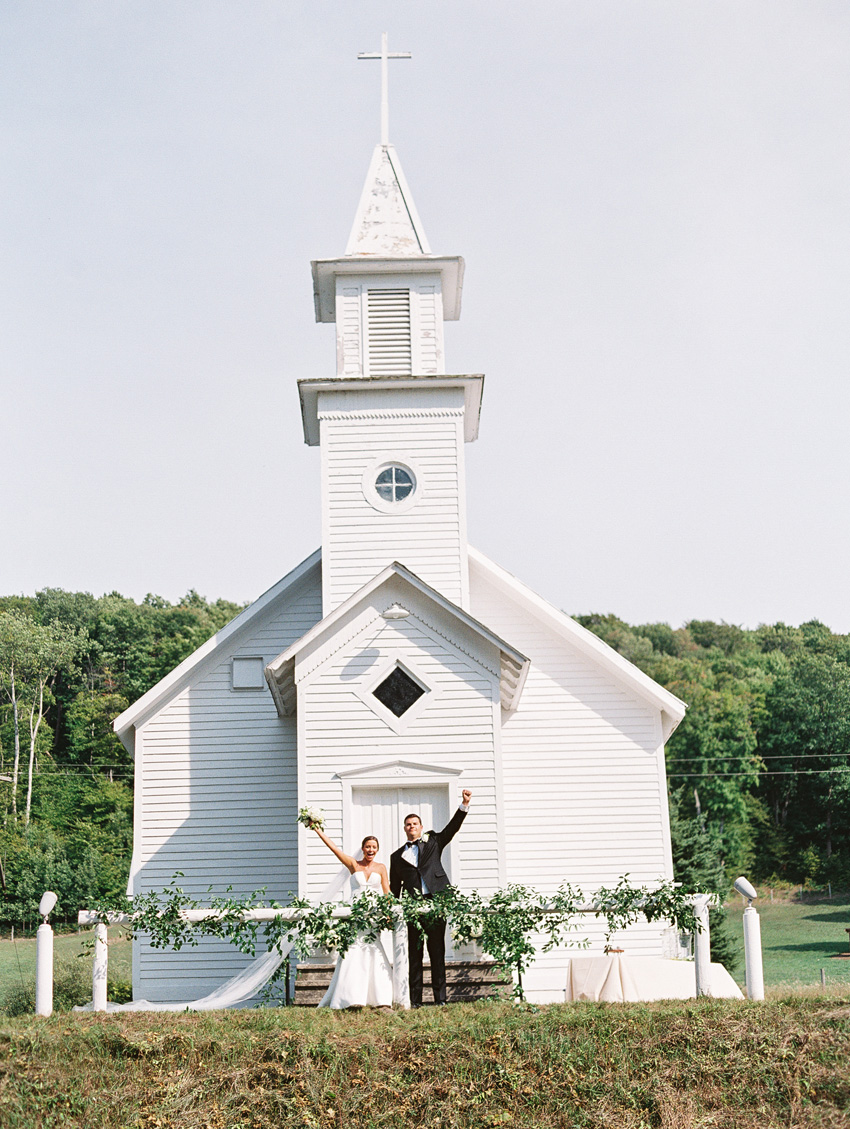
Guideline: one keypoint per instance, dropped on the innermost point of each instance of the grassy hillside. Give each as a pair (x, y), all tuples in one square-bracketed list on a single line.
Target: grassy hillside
[(719, 1063)]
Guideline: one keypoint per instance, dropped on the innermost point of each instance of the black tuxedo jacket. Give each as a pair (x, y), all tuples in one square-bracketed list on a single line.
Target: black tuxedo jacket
[(405, 876)]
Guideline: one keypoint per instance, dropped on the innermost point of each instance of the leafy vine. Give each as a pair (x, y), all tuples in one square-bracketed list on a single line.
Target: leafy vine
[(511, 927)]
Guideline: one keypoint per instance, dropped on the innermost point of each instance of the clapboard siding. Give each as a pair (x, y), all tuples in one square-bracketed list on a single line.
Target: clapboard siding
[(359, 430), (218, 797), (456, 729), (584, 799)]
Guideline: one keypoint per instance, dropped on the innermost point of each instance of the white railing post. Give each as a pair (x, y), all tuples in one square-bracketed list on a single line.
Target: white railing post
[(752, 954), (401, 978), (702, 945), (99, 968), (44, 970)]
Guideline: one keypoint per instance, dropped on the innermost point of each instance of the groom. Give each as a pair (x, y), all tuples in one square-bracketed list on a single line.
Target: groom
[(416, 868)]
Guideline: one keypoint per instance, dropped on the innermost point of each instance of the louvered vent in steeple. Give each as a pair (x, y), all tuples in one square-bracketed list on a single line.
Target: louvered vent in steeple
[(388, 332)]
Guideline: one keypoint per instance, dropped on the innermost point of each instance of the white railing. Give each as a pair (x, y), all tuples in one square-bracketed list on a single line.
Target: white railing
[(44, 946), (401, 994)]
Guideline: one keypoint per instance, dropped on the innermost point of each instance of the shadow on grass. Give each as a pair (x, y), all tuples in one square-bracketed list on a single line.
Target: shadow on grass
[(842, 915), (822, 900), (825, 948)]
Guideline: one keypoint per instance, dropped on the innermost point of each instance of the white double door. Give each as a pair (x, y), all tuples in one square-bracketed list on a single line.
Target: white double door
[(381, 810)]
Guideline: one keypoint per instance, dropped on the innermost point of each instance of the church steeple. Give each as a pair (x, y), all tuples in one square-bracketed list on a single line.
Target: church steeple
[(391, 424), (386, 222), (389, 295)]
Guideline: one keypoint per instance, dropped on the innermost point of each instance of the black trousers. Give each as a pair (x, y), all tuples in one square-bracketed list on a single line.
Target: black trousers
[(435, 939)]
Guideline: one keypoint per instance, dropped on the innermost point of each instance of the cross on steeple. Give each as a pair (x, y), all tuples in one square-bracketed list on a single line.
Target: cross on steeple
[(384, 55)]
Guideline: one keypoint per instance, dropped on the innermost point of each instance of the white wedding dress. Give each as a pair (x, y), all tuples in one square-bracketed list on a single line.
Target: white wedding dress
[(364, 976)]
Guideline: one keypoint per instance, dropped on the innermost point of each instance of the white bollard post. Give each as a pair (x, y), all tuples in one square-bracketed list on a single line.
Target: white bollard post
[(401, 974), (702, 945), (752, 954), (44, 970), (99, 969)]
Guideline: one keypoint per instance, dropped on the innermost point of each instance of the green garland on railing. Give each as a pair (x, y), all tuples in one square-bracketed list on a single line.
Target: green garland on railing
[(504, 926)]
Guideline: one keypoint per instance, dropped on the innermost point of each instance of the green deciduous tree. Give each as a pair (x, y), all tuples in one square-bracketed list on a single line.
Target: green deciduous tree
[(806, 733), (31, 656)]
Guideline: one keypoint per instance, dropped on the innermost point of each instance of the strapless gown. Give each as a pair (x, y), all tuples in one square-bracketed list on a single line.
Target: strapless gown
[(364, 976)]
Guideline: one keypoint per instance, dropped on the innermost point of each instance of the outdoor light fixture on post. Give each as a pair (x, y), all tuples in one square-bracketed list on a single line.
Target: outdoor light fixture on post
[(752, 942), (44, 957)]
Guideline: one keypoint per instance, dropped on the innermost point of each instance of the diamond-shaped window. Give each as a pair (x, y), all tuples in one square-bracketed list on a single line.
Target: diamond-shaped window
[(398, 691)]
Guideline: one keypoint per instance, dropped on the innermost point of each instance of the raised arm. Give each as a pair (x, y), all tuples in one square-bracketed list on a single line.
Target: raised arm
[(451, 829), (346, 860)]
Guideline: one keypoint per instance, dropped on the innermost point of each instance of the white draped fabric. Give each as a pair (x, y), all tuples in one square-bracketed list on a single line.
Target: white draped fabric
[(617, 978), (240, 988)]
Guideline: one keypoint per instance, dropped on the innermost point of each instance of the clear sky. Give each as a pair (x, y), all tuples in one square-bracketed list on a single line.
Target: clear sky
[(652, 201)]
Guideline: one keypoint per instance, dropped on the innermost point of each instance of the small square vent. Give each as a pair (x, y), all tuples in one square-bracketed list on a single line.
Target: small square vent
[(398, 691), (247, 673)]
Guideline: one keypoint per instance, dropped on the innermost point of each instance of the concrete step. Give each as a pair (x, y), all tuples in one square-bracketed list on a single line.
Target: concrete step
[(465, 980)]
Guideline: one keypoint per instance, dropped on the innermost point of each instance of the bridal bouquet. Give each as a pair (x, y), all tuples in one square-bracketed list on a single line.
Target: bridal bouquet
[(312, 818)]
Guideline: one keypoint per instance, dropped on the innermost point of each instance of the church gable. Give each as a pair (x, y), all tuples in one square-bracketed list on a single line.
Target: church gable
[(443, 717), (399, 677), (393, 595), (583, 756)]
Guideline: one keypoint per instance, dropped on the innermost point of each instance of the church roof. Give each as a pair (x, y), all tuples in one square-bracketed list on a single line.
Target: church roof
[(280, 673), (386, 222), (160, 694), (590, 645), (626, 673), (387, 237)]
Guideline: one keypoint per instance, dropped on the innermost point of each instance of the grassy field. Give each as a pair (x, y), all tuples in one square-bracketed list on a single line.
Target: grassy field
[(630, 1066), (799, 938), (17, 958)]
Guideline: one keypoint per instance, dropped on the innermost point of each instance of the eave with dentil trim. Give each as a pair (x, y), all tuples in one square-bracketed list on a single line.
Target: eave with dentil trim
[(281, 672)]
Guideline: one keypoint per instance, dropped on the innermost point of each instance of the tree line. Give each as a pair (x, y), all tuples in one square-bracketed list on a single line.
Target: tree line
[(761, 761), (69, 664), (758, 771)]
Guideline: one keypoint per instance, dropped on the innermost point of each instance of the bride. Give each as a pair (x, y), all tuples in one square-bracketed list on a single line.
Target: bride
[(363, 977)]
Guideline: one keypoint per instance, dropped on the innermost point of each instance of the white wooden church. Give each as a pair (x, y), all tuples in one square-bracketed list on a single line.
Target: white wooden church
[(396, 665)]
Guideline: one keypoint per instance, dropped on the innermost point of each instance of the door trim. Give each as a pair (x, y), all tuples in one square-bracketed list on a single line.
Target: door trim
[(400, 774)]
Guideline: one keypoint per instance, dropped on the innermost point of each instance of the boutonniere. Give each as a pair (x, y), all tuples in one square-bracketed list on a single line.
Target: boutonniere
[(425, 838)]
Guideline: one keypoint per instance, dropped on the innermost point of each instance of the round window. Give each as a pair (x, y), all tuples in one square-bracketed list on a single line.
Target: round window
[(394, 483)]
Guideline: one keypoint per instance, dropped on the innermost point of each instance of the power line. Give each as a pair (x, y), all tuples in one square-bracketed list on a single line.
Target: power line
[(778, 772), (82, 772), (673, 759)]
